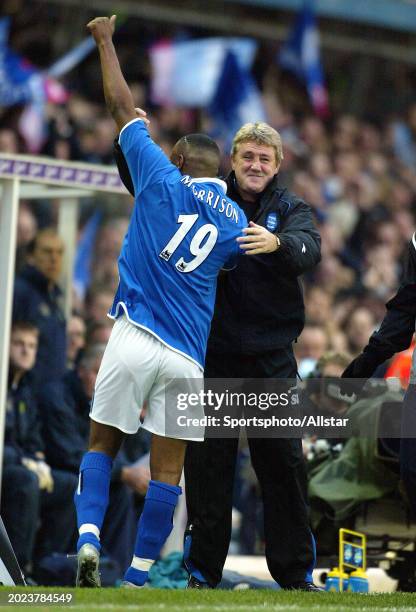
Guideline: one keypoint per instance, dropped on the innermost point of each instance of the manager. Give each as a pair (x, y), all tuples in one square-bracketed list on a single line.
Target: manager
[(259, 313)]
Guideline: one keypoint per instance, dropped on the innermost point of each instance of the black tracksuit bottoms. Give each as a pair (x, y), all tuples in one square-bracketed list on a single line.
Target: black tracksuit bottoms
[(279, 466)]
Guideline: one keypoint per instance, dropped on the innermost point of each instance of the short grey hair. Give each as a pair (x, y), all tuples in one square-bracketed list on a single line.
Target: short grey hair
[(261, 133)]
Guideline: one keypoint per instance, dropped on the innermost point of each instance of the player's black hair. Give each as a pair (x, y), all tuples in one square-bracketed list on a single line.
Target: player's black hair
[(200, 155), (200, 141)]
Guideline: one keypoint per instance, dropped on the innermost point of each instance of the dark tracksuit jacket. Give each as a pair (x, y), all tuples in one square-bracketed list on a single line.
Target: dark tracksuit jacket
[(20, 491), (22, 437), (34, 302), (259, 305)]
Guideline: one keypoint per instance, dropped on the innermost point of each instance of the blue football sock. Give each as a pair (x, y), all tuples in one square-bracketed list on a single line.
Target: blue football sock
[(192, 570), (154, 527), (91, 497)]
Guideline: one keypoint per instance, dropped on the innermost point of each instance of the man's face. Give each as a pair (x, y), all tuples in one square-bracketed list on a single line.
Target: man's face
[(47, 256), (100, 305), (255, 166), (76, 336), (23, 348)]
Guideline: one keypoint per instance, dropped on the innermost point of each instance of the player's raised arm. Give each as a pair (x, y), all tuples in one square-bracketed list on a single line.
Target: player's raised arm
[(117, 94)]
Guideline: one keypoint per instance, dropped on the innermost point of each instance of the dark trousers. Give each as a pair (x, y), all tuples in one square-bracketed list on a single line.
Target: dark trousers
[(279, 466), (25, 508)]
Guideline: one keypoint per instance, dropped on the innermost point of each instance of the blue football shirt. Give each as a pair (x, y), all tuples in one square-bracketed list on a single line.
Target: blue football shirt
[(181, 233)]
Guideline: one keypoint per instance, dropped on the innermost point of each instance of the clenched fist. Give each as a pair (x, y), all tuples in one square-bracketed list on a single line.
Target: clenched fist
[(102, 28)]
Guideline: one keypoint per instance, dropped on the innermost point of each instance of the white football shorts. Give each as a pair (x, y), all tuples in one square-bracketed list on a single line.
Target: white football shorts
[(137, 368)]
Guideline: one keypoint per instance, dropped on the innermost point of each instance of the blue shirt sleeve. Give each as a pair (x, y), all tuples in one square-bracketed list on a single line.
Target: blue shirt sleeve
[(147, 162), (232, 261)]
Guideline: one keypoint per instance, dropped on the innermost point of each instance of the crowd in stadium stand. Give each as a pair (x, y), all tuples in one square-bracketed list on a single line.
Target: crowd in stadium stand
[(357, 174)]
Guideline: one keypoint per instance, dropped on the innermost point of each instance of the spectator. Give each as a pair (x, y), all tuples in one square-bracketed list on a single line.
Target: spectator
[(318, 306), (334, 276), (9, 141), (312, 344), (37, 298), (380, 273), (98, 303), (322, 396), (109, 242), (99, 332), (76, 339), (331, 365), (359, 327), (31, 491), (27, 228)]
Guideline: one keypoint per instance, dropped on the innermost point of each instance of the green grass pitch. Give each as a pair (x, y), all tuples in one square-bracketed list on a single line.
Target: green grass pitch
[(154, 600)]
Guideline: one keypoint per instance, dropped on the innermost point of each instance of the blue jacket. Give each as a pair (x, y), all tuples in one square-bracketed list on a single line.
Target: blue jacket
[(22, 436), (35, 302)]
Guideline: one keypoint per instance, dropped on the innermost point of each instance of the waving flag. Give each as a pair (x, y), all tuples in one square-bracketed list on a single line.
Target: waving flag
[(186, 73), (72, 58), (211, 73), (83, 257), (15, 72), (22, 83), (300, 55), (236, 100)]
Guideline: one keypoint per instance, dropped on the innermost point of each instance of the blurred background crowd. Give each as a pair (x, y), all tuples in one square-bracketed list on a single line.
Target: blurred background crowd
[(354, 166)]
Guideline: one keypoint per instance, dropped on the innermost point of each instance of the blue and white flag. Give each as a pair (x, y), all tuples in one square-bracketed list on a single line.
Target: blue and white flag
[(300, 55), (15, 72), (22, 83), (236, 100), (72, 58), (186, 73), (84, 253), (32, 122)]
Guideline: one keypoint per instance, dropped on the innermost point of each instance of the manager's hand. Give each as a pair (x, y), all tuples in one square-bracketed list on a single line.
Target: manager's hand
[(102, 28), (258, 240)]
